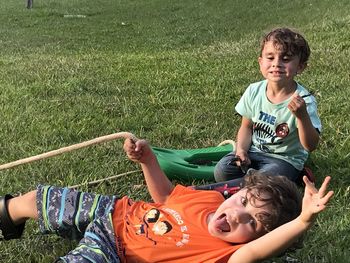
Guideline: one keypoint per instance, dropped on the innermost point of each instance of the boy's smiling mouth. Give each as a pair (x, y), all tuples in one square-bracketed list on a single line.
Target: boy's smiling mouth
[(277, 72), (222, 224)]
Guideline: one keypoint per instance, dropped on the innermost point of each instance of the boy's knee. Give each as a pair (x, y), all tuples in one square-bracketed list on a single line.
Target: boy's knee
[(276, 169), (224, 172), (219, 174), (271, 169)]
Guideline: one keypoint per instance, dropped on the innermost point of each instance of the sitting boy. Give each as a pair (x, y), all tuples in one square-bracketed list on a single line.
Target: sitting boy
[(279, 125), (182, 225)]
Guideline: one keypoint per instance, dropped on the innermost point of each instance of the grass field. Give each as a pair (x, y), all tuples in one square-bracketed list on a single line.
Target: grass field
[(168, 71)]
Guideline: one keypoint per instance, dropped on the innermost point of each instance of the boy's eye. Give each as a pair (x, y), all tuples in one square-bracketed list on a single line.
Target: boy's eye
[(252, 223), (244, 200)]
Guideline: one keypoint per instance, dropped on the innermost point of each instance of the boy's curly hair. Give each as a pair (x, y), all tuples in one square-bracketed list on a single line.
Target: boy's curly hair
[(288, 41), (276, 192)]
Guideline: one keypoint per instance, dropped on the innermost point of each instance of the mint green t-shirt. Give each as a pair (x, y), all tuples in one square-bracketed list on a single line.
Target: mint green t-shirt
[(275, 130)]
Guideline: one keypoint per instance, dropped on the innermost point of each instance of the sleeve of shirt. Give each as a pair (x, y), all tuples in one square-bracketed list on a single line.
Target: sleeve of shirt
[(179, 190), (311, 107), (243, 106)]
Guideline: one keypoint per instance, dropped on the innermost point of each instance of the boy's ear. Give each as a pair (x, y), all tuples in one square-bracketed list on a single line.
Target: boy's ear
[(301, 68)]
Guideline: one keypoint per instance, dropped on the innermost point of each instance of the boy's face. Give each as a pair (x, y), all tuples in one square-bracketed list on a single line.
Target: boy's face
[(235, 220), (279, 66)]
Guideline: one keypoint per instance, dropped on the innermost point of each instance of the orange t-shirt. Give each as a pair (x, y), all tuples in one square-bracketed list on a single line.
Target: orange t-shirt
[(172, 232)]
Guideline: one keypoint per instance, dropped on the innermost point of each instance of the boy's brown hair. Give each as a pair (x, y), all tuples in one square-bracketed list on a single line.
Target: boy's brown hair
[(276, 192), (288, 41)]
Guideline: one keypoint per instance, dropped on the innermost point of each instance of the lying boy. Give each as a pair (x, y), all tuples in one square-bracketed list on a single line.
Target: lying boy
[(182, 225)]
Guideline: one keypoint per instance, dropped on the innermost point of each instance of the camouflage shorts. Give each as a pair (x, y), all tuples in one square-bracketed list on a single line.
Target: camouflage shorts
[(81, 216)]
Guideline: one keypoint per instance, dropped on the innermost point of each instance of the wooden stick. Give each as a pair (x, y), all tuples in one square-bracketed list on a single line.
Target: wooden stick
[(70, 148)]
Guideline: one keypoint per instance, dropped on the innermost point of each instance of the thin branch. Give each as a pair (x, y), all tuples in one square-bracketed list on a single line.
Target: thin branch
[(103, 180)]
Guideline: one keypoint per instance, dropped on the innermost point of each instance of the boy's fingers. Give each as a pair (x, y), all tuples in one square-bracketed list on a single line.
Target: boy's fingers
[(139, 144), (129, 142), (323, 189), (309, 185), (324, 201), (328, 196)]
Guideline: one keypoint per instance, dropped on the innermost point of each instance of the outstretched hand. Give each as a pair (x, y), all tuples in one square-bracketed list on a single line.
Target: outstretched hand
[(315, 200)]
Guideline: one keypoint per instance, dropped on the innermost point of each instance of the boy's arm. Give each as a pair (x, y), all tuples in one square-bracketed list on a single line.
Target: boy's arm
[(279, 239), (244, 140), (158, 184), (308, 135)]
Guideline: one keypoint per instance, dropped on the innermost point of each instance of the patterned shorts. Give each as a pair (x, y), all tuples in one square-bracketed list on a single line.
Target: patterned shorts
[(81, 216)]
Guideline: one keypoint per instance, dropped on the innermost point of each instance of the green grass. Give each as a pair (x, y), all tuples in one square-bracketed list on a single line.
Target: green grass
[(168, 71)]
